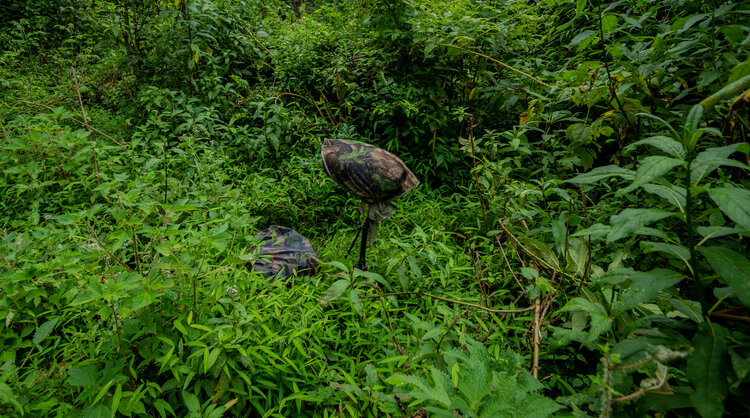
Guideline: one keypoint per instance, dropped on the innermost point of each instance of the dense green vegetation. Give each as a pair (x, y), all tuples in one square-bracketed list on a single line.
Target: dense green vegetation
[(578, 246)]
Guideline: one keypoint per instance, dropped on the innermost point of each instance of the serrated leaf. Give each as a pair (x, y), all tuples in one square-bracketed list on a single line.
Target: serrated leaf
[(163, 248), (537, 405), (707, 371), (731, 266), (83, 376), (601, 173), (44, 330), (651, 168), (609, 22), (414, 267), (644, 286), (8, 397), (333, 292), (734, 202), (474, 382), (631, 220)]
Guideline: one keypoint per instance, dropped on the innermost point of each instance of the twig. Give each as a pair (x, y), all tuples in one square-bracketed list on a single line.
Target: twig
[(509, 266), (589, 199), (634, 365), (473, 305), (478, 274), (400, 406), (85, 126), (537, 341), (612, 89), (76, 121), (499, 63), (728, 316), (633, 395), (388, 317), (104, 247)]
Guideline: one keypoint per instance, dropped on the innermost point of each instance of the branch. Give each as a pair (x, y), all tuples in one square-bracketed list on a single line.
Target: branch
[(473, 305), (502, 64), (91, 141), (76, 121)]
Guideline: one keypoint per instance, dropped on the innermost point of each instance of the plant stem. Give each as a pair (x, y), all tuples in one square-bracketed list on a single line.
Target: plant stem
[(691, 236), (85, 126), (609, 75), (119, 341)]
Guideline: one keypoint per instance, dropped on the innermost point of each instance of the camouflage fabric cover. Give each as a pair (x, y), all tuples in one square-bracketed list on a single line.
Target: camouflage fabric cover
[(371, 173), (283, 252)]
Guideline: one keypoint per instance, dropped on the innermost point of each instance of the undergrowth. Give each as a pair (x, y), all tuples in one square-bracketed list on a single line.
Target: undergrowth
[(578, 245)]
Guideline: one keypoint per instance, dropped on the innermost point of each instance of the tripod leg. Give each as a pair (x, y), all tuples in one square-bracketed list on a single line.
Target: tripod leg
[(361, 264)]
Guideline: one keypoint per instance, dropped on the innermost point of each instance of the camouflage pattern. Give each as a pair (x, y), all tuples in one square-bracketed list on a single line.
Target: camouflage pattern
[(283, 253), (371, 173)]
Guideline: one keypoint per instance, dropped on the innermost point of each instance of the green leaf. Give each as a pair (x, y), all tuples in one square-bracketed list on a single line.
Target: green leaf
[(424, 391), (631, 220), (707, 371), (83, 376), (537, 405), (44, 330), (582, 37), (675, 195), (645, 286), (8, 397), (163, 406), (355, 300), (731, 266), (664, 143), (116, 400), (339, 265), (734, 202), (740, 70), (163, 248), (609, 22), (672, 250), (650, 168), (474, 382), (740, 365), (333, 292), (96, 411), (601, 173), (414, 267), (709, 232), (713, 158), (191, 401), (595, 231), (600, 320)]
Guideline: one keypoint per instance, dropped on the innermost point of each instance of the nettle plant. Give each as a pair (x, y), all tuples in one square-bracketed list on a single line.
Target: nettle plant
[(469, 382), (677, 306)]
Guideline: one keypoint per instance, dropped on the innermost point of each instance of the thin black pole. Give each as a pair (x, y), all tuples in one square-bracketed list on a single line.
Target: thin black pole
[(361, 264)]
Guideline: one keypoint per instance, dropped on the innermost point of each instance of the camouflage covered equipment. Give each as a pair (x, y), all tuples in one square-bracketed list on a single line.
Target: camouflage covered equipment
[(283, 252), (374, 175), (370, 173)]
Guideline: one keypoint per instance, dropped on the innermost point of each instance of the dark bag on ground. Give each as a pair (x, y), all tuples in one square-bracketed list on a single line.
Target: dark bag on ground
[(283, 253)]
